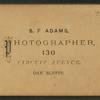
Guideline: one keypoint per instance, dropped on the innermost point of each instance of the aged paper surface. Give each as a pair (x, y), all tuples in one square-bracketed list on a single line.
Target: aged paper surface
[(50, 50)]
